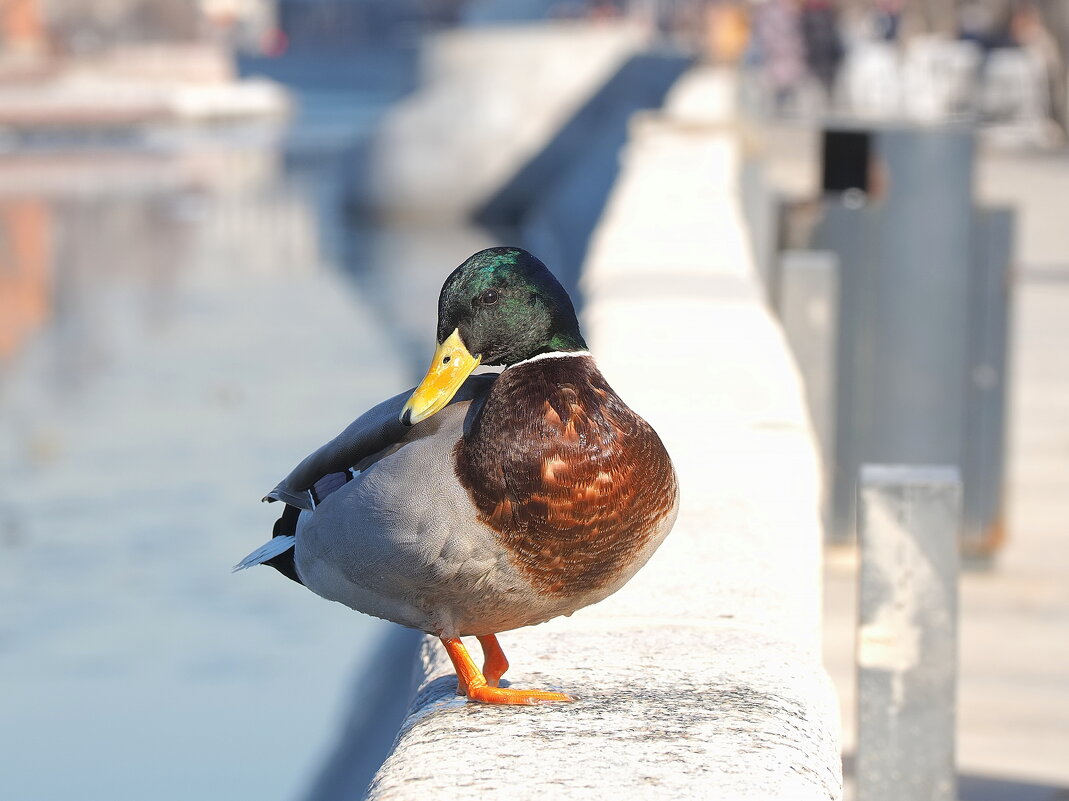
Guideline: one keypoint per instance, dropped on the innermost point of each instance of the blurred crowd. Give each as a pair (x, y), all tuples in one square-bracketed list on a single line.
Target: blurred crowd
[(1002, 62)]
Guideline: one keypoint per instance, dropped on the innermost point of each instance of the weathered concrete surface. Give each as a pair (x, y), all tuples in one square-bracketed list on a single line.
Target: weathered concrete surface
[(493, 98), (702, 677)]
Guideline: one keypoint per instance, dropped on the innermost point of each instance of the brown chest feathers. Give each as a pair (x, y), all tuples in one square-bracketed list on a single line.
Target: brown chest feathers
[(573, 482)]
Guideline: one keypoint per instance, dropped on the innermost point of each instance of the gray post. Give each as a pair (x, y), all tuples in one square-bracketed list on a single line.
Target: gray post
[(808, 311), (984, 457), (907, 269), (909, 520)]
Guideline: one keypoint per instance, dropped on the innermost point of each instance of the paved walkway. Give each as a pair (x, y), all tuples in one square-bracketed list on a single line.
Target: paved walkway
[(1014, 693)]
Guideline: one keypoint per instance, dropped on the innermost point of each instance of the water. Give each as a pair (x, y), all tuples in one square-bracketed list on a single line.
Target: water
[(183, 316)]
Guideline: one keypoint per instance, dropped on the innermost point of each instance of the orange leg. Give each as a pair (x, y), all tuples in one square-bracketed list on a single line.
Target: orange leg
[(475, 686), (494, 662)]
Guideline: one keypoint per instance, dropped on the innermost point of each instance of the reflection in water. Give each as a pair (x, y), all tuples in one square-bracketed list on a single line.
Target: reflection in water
[(25, 271), (70, 249)]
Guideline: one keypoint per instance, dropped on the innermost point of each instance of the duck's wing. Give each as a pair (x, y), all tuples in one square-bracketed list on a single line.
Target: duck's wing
[(371, 436), (376, 431)]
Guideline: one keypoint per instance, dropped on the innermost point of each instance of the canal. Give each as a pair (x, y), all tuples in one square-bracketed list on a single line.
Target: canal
[(184, 314)]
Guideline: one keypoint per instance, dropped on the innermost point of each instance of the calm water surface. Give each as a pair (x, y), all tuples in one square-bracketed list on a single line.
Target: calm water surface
[(183, 318)]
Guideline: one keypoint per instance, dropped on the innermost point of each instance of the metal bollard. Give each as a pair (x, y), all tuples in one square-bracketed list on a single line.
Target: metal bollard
[(923, 326), (909, 518)]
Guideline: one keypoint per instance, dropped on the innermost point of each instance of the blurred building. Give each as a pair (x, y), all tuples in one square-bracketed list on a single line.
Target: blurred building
[(86, 26), (22, 28), (80, 26)]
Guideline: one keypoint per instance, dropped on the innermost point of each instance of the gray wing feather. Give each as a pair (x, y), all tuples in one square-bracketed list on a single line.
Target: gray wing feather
[(374, 431), (302, 500)]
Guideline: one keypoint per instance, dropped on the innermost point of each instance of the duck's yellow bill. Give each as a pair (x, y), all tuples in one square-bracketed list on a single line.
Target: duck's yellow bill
[(452, 364)]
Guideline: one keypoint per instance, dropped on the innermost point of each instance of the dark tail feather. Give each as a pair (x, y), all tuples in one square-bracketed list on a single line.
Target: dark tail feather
[(286, 526)]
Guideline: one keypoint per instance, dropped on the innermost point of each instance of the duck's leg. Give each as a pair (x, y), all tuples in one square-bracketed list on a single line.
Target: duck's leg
[(474, 682), (494, 662)]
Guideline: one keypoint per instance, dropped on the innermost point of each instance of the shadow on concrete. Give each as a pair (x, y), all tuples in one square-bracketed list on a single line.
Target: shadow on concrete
[(973, 787), (380, 698), (987, 788), (556, 198)]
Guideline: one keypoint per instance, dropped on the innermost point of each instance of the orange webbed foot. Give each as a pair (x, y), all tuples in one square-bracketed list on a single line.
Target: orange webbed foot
[(503, 695), (477, 687)]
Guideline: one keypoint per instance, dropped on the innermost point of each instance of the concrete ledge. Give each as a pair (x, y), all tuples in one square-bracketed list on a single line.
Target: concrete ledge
[(658, 716), (702, 677)]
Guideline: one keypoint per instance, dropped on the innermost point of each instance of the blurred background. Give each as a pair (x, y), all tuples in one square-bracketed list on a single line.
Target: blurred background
[(223, 227)]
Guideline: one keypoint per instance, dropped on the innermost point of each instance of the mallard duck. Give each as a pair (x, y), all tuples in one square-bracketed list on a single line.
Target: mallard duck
[(477, 504)]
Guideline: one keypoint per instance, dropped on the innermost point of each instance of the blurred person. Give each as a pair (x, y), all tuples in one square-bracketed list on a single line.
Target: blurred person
[(727, 32), (777, 46), (979, 23), (1029, 32), (688, 23), (886, 19), (823, 43)]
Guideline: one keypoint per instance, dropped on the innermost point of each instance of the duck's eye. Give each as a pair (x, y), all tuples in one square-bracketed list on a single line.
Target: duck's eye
[(488, 297)]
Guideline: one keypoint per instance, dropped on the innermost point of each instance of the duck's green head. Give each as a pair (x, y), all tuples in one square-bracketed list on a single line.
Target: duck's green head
[(499, 307)]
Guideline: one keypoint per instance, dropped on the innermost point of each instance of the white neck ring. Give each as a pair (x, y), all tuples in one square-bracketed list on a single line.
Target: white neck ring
[(553, 354)]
